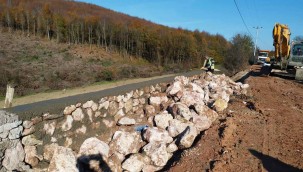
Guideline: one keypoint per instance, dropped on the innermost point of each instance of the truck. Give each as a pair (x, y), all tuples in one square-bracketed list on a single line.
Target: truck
[(288, 55), (263, 57)]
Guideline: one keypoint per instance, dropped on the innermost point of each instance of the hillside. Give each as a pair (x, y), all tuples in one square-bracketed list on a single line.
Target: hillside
[(36, 65), (77, 22), (58, 44)]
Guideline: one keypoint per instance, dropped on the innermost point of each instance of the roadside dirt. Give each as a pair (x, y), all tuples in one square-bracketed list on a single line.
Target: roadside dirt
[(258, 132)]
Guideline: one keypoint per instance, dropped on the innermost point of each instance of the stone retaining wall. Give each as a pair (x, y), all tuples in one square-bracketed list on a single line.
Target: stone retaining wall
[(138, 131)]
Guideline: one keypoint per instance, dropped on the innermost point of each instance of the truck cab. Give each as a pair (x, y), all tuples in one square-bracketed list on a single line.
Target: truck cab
[(296, 55), (263, 57)]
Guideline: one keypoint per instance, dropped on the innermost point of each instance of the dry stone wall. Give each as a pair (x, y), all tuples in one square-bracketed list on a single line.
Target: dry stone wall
[(138, 131)]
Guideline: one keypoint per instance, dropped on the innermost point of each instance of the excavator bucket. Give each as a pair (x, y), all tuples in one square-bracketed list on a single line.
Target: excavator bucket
[(299, 74)]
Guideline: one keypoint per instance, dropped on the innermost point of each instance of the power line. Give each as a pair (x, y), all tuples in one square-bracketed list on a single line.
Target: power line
[(242, 18)]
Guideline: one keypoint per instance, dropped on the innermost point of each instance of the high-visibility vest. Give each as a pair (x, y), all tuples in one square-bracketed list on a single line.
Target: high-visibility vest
[(212, 64)]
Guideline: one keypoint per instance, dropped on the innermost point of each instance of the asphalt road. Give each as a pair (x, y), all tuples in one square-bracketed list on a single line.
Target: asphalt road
[(56, 106)]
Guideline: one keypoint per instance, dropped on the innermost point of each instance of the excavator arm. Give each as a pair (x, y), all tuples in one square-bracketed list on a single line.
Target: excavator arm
[(281, 36)]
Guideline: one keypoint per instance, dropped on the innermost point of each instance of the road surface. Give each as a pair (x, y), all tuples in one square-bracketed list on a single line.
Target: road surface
[(27, 111)]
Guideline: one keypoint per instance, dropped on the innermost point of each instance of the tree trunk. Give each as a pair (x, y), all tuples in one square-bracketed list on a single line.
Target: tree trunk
[(8, 20), (82, 29), (104, 36), (28, 22), (90, 30), (48, 31)]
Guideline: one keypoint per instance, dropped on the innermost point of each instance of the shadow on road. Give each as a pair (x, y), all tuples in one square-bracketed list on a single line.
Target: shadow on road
[(272, 164), (83, 164)]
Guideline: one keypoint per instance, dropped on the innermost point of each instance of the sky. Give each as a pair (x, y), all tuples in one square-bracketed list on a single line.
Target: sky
[(217, 16)]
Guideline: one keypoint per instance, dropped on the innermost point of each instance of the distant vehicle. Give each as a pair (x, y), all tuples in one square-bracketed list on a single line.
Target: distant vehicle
[(263, 57)]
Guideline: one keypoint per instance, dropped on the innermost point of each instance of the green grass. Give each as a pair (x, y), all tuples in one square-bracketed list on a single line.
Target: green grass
[(103, 62), (2, 98), (104, 82)]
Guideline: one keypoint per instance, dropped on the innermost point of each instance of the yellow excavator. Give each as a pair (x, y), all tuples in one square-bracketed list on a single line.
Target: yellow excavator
[(288, 56), (281, 36)]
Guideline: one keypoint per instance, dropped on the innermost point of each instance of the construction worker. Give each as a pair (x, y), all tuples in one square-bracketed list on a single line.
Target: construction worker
[(210, 64)]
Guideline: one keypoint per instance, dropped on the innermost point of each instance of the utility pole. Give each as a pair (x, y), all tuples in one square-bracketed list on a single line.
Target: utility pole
[(257, 30)]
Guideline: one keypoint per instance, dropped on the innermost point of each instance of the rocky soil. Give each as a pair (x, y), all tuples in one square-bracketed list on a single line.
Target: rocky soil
[(258, 132)]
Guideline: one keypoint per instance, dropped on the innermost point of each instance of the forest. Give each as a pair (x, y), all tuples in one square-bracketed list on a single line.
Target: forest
[(74, 22)]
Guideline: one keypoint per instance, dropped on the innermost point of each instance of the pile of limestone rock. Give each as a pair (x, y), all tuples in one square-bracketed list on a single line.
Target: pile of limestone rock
[(138, 131)]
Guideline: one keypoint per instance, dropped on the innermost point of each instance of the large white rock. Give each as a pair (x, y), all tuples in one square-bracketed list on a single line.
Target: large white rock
[(28, 131), (134, 163), (244, 86), (63, 160), (95, 107), (213, 85), (196, 88), (189, 98), (120, 98), (49, 150), (151, 168), (13, 157), (175, 88), (220, 105), (154, 134), (136, 102), (128, 96), (119, 115), (172, 147), (69, 109), (90, 114), (180, 110), (104, 105), (31, 155), (27, 124), (162, 119), (15, 133), (126, 142), (204, 110), (128, 105), (176, 127), (126, 121), (201, 122), (149, 110), (113, 108), (157, 153), (49, 128), (4, 134), (142, 101), (157, 99), (115, 161), (184, 80), (78, 114), (31, 140), (188, 138), (88, 104), (94, 146), (67, 125)]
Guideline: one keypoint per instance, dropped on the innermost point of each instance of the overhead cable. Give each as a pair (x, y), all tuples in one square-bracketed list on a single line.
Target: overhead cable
[(242, 18)]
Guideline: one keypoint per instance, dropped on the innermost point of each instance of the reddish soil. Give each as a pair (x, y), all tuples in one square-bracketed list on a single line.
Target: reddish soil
[(262, 131)]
